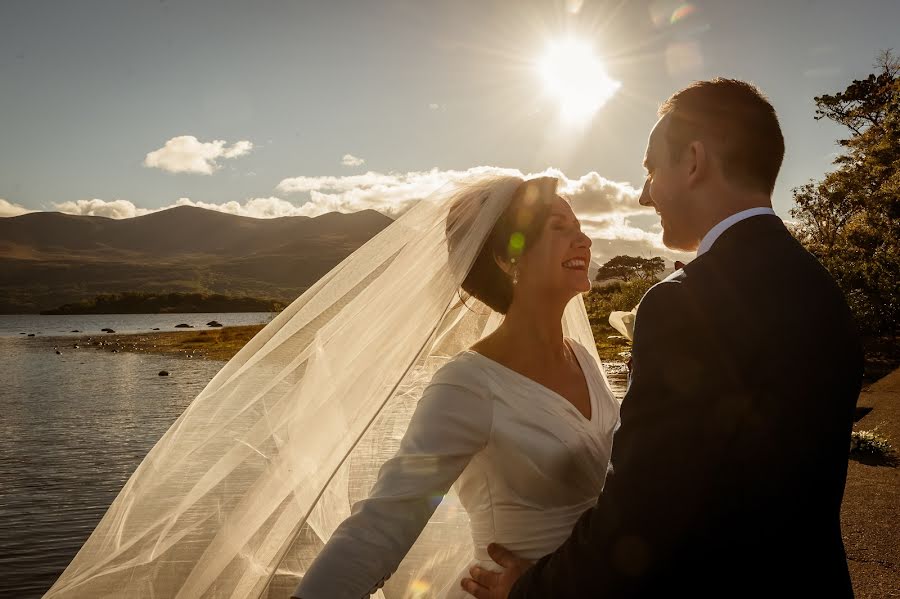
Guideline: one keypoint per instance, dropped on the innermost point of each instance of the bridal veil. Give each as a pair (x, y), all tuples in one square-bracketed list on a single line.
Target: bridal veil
[(239, 495)]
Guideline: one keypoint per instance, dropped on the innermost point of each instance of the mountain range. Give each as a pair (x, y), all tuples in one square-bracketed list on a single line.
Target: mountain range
[(50, 258)]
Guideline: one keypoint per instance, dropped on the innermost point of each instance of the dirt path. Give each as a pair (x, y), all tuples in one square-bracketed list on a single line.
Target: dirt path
[(870, 517)]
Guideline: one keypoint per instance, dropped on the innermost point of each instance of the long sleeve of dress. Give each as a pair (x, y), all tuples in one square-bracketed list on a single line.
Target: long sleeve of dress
[(451, 423)]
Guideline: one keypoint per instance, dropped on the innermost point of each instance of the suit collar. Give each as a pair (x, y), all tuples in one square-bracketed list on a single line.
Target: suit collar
[(746, 235), (713, 234)]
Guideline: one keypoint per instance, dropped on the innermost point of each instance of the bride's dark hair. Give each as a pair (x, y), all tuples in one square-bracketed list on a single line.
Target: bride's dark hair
[(518, 228)]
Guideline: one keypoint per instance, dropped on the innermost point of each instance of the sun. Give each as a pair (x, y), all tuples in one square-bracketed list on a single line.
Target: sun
[(576, 77)]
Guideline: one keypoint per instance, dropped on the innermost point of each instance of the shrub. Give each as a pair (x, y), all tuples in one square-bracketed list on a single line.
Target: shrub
[(870, 444)]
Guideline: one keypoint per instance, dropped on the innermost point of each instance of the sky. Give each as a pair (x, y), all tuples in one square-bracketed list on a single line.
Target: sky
[(272, 108)]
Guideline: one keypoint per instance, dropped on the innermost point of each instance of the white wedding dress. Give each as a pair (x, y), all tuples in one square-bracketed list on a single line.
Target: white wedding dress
[(524, 463)]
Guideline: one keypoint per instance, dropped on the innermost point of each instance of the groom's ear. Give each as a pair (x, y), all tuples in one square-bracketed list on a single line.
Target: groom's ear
[(697, 161)]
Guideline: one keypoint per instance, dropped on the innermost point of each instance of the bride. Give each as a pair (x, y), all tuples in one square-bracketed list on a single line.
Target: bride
[(379, 388)]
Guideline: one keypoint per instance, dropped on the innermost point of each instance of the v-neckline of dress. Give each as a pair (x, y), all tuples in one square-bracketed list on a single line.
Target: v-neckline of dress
[(591, 399)]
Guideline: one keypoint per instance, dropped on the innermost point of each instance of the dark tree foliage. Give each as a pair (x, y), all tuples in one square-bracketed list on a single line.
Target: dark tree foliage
[(628, 268), (850, 220)]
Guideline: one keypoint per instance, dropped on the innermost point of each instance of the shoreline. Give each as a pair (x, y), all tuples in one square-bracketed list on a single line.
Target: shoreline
[(220, 343)]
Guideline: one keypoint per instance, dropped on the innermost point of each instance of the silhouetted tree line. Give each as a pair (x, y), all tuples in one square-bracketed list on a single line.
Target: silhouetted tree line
[(156, 303), (850, 220)]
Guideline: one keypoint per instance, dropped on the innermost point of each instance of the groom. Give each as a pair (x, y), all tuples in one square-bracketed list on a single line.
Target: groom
[(730, 463)]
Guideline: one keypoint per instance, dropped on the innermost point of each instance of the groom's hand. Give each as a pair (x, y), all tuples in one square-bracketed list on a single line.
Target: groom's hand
[(485, 584)]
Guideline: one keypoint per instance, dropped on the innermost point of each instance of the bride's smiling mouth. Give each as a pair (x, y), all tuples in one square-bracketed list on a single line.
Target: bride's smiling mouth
[(575, 264)]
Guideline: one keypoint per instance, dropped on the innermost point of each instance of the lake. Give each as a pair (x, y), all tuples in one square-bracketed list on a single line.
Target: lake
[(73, 427)]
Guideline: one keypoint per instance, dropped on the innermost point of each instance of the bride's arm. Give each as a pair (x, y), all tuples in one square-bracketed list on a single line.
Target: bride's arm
[(450, 424)]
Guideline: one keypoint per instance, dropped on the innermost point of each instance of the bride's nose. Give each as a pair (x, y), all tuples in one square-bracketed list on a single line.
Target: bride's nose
[(584, 241)]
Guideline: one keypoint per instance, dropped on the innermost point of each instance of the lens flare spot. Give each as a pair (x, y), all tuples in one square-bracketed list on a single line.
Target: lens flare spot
[(684, 59), (516, 243), (682, 12), (418, 588)]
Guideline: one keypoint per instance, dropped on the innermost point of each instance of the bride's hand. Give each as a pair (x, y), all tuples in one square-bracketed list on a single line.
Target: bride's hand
[(485, 584)]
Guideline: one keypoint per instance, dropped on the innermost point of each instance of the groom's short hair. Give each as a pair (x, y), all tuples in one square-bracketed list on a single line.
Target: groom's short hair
[(738, 123)]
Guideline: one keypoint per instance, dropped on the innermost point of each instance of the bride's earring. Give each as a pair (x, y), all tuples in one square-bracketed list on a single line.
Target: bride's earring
[(515, 273)]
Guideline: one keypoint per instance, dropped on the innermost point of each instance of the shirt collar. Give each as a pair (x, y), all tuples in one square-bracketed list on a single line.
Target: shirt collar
[(710, 238)]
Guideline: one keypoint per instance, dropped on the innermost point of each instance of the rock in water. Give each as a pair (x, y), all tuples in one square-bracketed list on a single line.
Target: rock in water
[(183, 326), (214, 323), (163, 373)]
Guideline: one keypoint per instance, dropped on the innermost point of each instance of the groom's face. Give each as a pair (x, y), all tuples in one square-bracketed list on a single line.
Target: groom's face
[(667, 190)]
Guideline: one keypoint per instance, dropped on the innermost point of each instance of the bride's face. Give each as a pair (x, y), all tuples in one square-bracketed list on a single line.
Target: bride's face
[(557, 265)]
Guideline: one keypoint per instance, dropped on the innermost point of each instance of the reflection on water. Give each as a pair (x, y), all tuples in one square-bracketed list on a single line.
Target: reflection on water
[(73, 427)]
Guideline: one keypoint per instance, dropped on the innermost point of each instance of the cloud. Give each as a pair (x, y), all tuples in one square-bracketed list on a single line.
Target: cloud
[(351, 160), (97, 207), (609, 210), (187, 154), (7, 208), (606, 208), (389, 193), (271, 207), (392, 193), (434, 106), (592, 195)]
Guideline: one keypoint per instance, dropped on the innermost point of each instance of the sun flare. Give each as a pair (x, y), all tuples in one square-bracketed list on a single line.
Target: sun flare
[(576, 77)]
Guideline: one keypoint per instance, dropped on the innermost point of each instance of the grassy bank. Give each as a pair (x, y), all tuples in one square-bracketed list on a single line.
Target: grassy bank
[(209, 344)]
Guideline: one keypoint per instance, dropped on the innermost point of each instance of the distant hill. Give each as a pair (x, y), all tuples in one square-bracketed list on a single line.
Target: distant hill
[(48, 258)]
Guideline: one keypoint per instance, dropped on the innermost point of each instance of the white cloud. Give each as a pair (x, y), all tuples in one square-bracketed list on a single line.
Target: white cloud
[(187, 154), (606, 208), (351, 160), (7, 208), (98, 207), (271, 207), (238, 149), (390, 193), (434, 106)]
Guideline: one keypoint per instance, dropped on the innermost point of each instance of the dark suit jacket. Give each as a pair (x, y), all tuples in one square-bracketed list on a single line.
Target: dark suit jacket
[(730, 462)]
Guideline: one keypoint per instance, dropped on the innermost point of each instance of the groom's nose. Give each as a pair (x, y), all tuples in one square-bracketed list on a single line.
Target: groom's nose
[(645, 199)]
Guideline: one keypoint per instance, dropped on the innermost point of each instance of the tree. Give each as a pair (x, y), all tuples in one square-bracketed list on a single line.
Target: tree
[(850, 219), (628, 268)]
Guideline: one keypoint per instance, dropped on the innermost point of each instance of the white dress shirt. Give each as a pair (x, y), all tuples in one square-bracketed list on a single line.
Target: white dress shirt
[(710, 238)]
